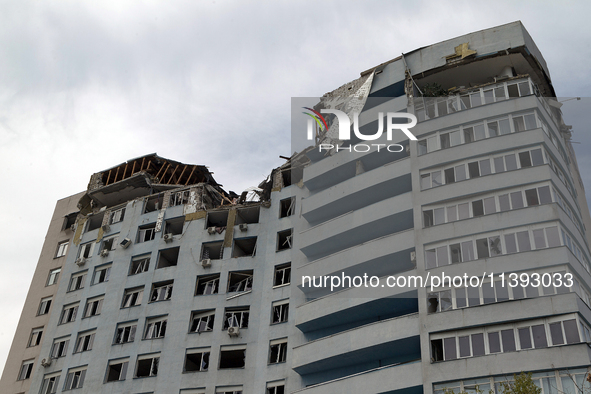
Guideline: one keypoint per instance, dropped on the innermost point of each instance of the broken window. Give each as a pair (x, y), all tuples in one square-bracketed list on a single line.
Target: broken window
[(35, 338), (132, 297), (168, 258), (50, 383), (202, 321), (84, 342), (59, 348), (287, 207), (208, 284), (212, 250), (68, 314), (86, 250), (161, 291), (280, 311), (77, 281), (101, 274), (248, 215), (282, 275), (428, 218), (240, 281), (117, 216), (156, 328), (44, 306), (217, 219), (232, 357), (139, 264), (117, 370), (179, 198), (236, 317), (437, 350), (244, 247), (174, 226), (278, 351), (94, 306), (197, 360), (26, 369), (146, 233), (284, 239), (125, 332), (95, 221), (109, 244), (75, 378), (69, 221), (147, 366), (153, 203), (62, 249)]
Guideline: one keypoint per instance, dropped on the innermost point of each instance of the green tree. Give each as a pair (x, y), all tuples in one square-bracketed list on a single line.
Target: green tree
[(523, 384)]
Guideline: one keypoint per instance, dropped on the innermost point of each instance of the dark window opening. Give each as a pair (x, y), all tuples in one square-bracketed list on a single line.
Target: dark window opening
[(208, 284), (280, 313), (428, 218), (153, 203), (477, 208), (69, 221), (174, 226), (168, 258), (196, 362), (161, 291), (139, 265), (278, 353), (217, 218), (147, 367), (473, 169), (244, 247), (240, 281), (202, 321), (146, 233), (282, 275), (95, 221), (116, 372), (212, 250), (232, 358), (236, 317), (248, 215), (284, 239), (286, 207), (450, 176), (437, 350)]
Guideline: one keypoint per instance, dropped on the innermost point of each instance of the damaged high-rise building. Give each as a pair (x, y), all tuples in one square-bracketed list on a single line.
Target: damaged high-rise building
[(157, 280)]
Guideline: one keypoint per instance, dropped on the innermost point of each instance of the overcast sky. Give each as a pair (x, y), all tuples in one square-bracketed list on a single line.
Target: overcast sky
[(87, 85)]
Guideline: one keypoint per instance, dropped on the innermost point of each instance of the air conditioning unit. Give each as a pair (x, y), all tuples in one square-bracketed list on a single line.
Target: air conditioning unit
[(233, 331), (211, 230), (168, 237), (243, 226), (125, 243), (46, 362), (80, 261), (106, 228), (206, 263), (104, 252)]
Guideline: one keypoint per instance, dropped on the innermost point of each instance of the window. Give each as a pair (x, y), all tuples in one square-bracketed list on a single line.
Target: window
[(68, 314), (86, 250), (35, 338), (239, 281), (212, 250), (161, 291), (179, 198), (284, 239), (125, 332), (75, 378), (278, 351), (168, 258), (101, 274), (50, 383), (59, 347), (62, 249), (244, 247), (174, 226), (232, 356), (229, 389), (132, 297), (248, 215), (439, 301), (282, 275), (155, 328), (117, 370), (139, 264), (217, 219), (197, 360), (77, 281), (277, 387), (94, 306), (109, 244), (44, 306), (26, 369), (147, 366), (53, 276), (117, 216), (280, 311), (202, 321), (236, 317), (208, 284), (84, 341), (146, 233), (286, 207)]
